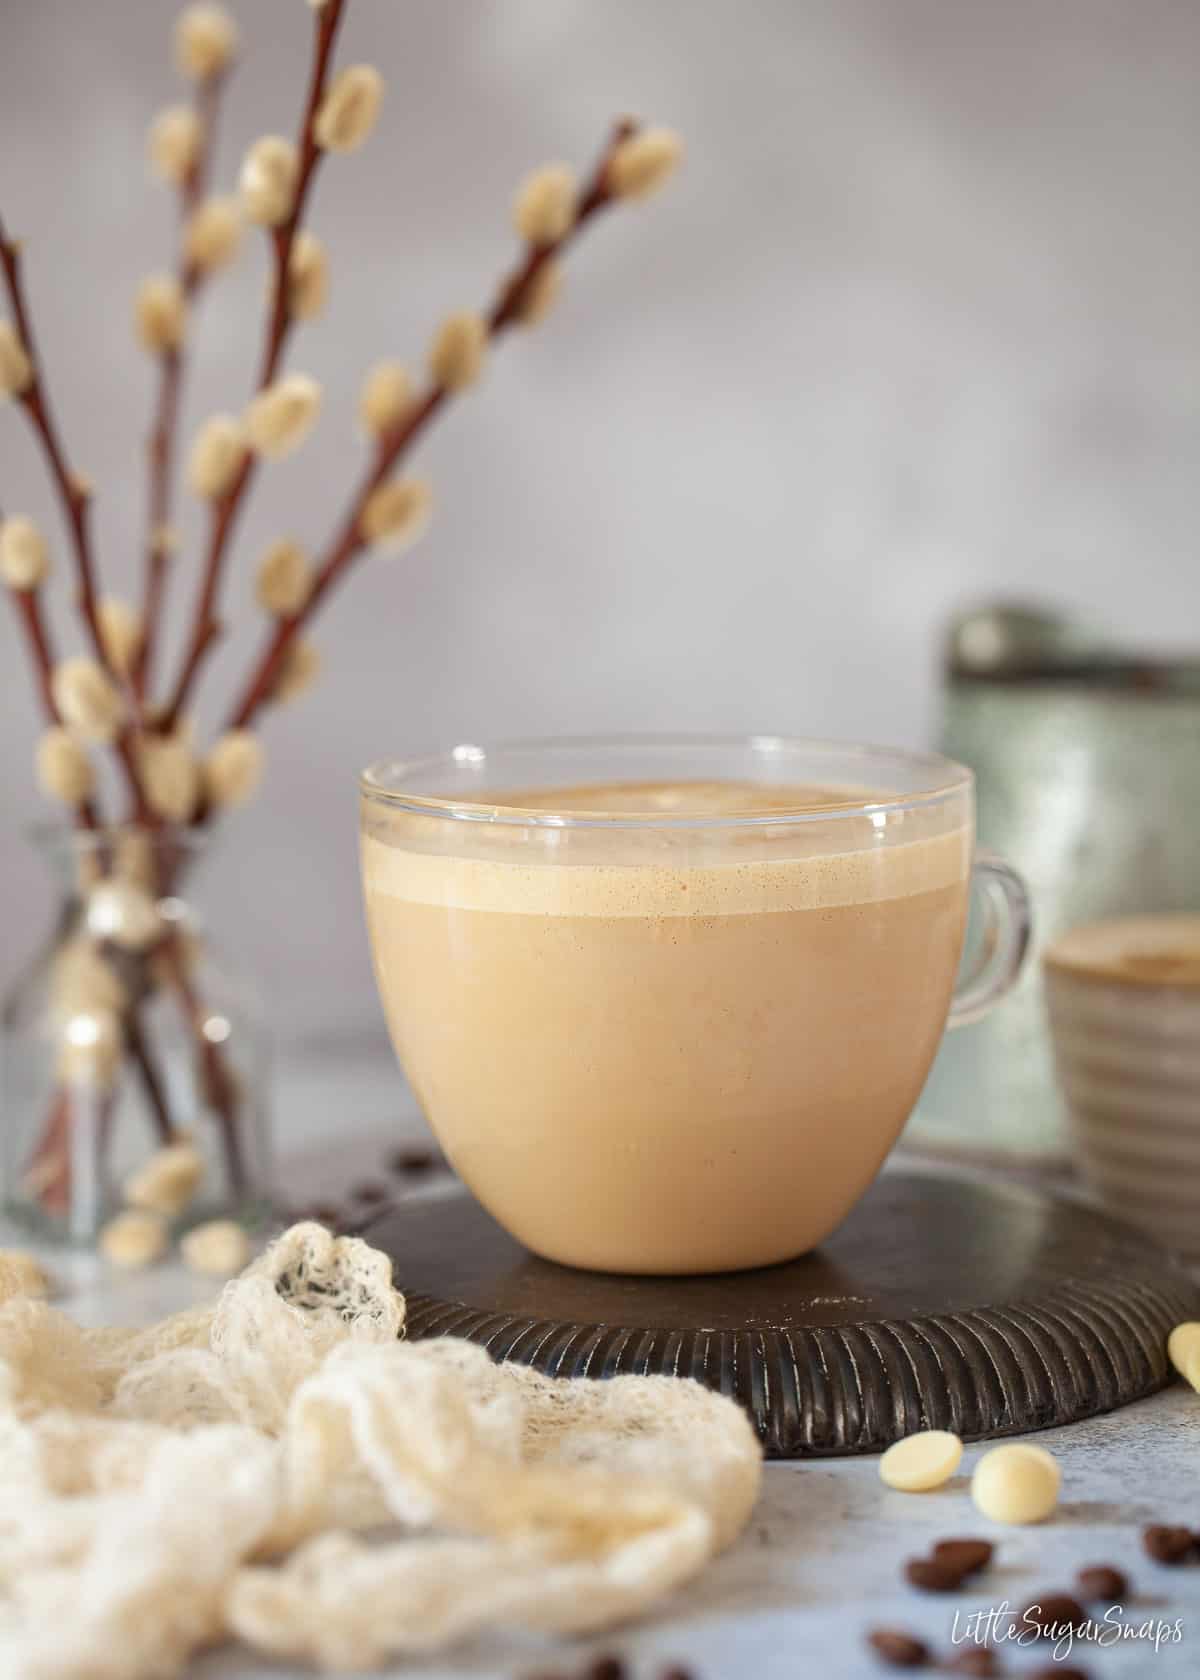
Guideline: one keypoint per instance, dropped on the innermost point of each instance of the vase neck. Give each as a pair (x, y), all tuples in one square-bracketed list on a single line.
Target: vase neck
[(162, 861)]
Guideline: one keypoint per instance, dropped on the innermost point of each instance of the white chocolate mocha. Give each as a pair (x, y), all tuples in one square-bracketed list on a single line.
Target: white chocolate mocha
[(678, 1050)]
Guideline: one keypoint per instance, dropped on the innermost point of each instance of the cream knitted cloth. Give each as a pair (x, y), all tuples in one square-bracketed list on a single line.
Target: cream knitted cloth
[(220, 1475)]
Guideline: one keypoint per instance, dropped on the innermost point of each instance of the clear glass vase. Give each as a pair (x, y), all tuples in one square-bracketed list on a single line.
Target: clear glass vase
[(124, 1035)]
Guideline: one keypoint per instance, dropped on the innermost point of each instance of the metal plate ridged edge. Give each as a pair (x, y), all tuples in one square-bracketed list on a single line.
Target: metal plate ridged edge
[(1081, 1350)]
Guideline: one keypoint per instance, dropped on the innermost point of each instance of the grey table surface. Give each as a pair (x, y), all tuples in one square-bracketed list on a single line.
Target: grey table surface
[(820, 1562)]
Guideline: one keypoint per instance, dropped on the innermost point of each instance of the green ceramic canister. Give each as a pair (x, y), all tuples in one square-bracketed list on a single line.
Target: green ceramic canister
[(1088, 767)]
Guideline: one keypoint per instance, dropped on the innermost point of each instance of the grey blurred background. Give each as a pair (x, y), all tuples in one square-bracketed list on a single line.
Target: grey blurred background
[(917, 325)]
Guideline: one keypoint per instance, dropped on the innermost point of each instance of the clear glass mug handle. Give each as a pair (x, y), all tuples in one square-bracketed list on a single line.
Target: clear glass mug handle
[(1007, 927)]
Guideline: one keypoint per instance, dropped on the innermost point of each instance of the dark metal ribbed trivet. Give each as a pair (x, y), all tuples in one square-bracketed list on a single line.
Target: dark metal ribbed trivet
[(940, 1303)]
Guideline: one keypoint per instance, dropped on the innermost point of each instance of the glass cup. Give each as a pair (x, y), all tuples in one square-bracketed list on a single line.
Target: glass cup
[(667, 1002)]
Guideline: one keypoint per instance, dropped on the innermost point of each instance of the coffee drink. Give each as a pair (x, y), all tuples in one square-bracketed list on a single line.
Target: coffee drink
[(668, 1048)]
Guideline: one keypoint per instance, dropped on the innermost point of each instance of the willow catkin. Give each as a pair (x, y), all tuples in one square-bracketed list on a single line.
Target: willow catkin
[(87, 699), (643, 163), (82, 979), (539, 294), (120, 633), (544, 207), (160, 313), (281, 417), (90, 1046), (206, 39), (308, 277), (457, 352), (123, 913), (284, 579), (64, 770), (164, 540), (385, 397), (219, 1248), (347, 113), (267, 183), (135, 858), (234, 767), (135, 1238), (396, 513), (16, 370), (168, 1181), (213, 235), (300, 667), (24, 557), (217, 455), (170, 775), (173, 143)]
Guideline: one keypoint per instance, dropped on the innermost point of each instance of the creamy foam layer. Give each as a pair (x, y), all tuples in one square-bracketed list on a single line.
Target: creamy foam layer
[(1156, 950), (739, 887)]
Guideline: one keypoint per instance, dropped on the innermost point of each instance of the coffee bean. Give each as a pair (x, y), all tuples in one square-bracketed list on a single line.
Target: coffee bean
[(931, 1575), (967, 1556), (676, 1673), (897, 1649), (1166, 1544), (1056, 1671), (411, 1162), (370, 1193), (1053, 1612), (606, 1668), (977, 1660), (1102, 1582)]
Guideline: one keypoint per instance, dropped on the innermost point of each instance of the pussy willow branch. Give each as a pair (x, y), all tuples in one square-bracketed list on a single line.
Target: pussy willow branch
[(50, 1165), (505, 310), (206, 627), (328, 21), (27, 604), (160, 447), (72, 491), (75, 496)]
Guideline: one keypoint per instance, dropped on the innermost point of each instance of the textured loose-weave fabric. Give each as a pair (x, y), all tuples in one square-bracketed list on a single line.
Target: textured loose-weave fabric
[(282, 1468)]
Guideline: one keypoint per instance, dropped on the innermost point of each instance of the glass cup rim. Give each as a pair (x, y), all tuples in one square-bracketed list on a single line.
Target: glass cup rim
[(378, 781)]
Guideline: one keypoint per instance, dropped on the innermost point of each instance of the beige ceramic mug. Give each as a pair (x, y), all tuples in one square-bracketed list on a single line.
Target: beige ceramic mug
[(1123, 998), (668, 1002)]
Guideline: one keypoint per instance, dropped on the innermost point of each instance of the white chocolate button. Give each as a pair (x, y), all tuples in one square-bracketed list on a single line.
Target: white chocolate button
[(1016, 1483), (921, 1461), (220, 1247), (1183, 1349), (134, 1238)]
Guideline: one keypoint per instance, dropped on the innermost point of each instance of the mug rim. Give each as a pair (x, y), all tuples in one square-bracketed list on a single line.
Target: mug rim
[(380, 780)]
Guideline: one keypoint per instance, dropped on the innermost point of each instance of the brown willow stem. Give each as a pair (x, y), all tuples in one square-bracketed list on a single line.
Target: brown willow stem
[(160, 447), (47, 1176), (206, 627), (505, 310), (28, 609), (219, 1085), (151, 1079), (75, 496)]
